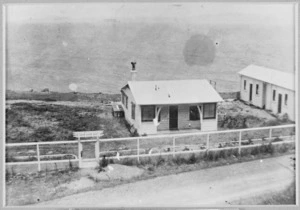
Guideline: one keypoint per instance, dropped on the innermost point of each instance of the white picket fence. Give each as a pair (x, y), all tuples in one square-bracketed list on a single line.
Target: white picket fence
[(140, 152)]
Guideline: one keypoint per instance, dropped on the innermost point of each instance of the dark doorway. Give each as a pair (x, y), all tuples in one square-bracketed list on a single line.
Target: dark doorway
[(173, 117), (279, 103), (250, 93)]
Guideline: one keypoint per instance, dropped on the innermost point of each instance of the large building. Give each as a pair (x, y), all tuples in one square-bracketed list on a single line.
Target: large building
[(154, 106), (269, 89)]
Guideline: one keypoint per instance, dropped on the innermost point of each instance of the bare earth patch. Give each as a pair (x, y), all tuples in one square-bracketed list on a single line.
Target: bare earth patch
[(114, 172), (80, 184), (238, 107)]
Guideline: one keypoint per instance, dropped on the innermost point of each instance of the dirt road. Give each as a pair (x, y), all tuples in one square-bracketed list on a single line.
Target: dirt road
[(214, 186)]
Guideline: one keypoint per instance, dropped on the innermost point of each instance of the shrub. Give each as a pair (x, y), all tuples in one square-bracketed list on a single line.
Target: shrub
[(43, 134), (179, 160), (245, 152), (283, 148), (270, 148), (160, 160), (210, 156), (222, 154), (49, 99), (255, 151), (129, 162), (277, 139), (192, 159)]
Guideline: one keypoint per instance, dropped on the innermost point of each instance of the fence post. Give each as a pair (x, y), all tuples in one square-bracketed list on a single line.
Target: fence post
[(38, 156), (97, 149), (240, 142), (79, 151), (138, 150), (173, 147), (270, 134)]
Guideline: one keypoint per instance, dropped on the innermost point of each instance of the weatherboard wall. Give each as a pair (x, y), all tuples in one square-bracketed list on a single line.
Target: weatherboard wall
[(257, 99), (267, 102), (288, 108)]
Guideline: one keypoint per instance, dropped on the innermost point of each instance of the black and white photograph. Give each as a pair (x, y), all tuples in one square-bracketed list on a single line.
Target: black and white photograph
[(150, 104)]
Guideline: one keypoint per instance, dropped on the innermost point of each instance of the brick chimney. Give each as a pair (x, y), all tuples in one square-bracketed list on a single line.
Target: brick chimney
[(133, 71)]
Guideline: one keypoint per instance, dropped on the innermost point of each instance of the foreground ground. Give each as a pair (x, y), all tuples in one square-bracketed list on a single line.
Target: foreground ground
[(232, 184)]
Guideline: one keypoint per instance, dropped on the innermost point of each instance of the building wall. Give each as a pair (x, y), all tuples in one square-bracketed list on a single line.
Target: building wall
[(270, 104), (184, 121), (289, 108), (127, 111), (183, 118), (257, 99)]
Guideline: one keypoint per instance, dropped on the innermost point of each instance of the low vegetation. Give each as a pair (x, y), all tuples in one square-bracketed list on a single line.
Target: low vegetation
[(47, 185), (27, 122)]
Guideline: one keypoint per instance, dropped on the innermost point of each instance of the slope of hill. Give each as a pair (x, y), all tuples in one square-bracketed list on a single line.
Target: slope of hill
[(97, 56)]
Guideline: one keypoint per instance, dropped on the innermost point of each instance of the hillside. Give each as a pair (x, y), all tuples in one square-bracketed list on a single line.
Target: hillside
[(97, 56)]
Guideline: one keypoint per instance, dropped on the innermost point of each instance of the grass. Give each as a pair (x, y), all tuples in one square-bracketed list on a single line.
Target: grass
[(26, 122)]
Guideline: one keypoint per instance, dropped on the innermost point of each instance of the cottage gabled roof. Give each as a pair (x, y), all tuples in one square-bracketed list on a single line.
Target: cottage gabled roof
[(275, 77), (173, 92)]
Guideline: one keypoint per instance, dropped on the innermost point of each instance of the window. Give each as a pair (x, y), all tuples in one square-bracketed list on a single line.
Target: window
[(194, 113), (245, 84), (122, 97), (209, 111), (148, 113), (285, 99), (132, 111), (274, 95), (126, 101), (257, 89)]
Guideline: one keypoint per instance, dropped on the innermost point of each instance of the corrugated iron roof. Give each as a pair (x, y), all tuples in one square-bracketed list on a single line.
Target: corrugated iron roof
[(279, 78), (173, 92)]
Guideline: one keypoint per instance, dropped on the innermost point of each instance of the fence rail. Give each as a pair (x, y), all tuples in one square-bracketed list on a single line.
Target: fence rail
[(136, 147)]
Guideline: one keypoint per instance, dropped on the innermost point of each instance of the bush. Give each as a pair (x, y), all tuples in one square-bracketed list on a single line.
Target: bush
[(192, 159), (160, 161), (129, 162), (43, 134), (283, 148), (179, 160), (255, 151), (277, 139)]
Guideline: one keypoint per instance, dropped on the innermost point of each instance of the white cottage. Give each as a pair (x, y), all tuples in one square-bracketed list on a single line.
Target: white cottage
[(269, 89), (154, 106)]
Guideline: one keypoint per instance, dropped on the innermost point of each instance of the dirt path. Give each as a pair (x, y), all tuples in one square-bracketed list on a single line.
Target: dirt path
[(215, 186)]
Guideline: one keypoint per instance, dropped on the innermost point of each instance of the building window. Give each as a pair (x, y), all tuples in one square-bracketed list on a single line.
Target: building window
[(245, 84), (274, 95), (209, 111), (132, 111), (257, 89), (148, 113), (194, 113), (285, 99)]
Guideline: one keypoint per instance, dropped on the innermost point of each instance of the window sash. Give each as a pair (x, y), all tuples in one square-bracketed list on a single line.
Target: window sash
[(209, 111), (194, 113), (245, 84), (148, 113), (274, 95)]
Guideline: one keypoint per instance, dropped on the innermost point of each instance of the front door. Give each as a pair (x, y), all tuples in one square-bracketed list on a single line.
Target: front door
[(250, 93), (173, 117), (279, 103)]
